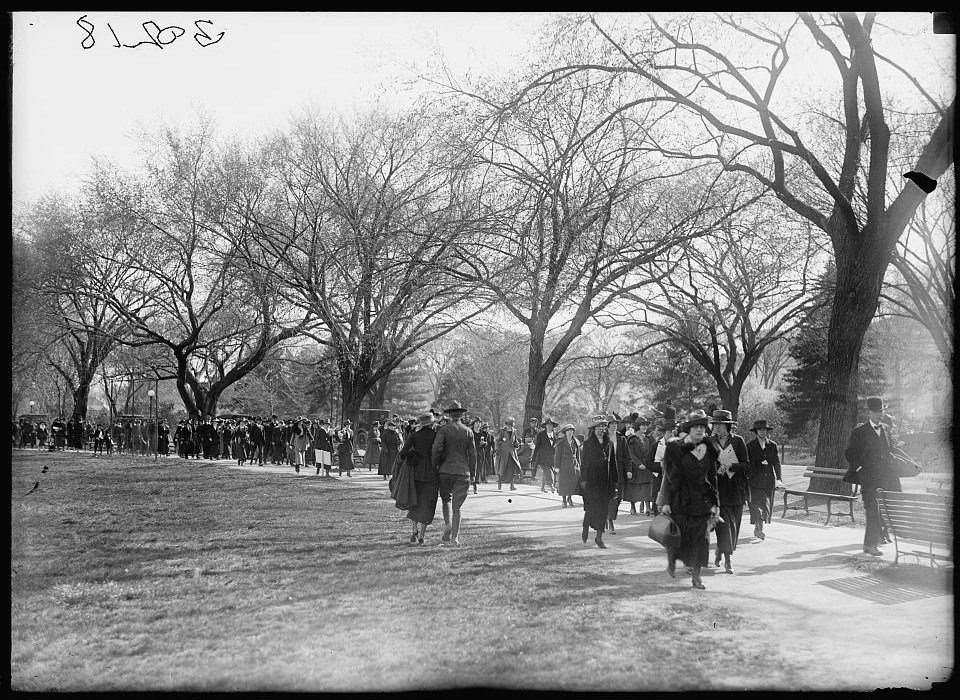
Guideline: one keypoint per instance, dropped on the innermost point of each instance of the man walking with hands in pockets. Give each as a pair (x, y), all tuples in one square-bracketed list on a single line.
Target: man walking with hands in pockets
[(455, 454)]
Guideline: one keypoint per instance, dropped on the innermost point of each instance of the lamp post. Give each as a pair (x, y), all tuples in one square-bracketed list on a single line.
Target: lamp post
[(153, 437), (32, 404)]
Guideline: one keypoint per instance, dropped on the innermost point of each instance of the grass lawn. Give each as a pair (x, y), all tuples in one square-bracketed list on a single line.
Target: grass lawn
[(127, 574)]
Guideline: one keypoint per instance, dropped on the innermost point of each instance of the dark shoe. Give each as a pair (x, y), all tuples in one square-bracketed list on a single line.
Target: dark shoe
[(564, 504), (413, 537), (873, 551), (318, 471), (350, 475), (761, 535), (499, 487), (419, 540), (474, 488), (446, 534), (716, 560), (297, 469), (512, 487), (633, 511), (599, 541), (698, 584), (586, 533), (613, 530), (543, 489), (727, 564), (672, 567)]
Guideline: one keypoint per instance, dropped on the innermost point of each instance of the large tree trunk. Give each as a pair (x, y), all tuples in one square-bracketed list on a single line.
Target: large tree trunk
[(537, 376), (81, 394), (859, 277), (730, 396)]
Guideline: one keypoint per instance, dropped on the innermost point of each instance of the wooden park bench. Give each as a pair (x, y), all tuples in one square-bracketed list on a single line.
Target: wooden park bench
[(918, 517), (831, 495)]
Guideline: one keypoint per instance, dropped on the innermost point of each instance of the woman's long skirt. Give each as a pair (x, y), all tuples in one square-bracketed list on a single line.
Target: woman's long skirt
[(595, 513), (638, 492), (567, 480), (728, 532), (426, 508), (508, 465), (694, 549)]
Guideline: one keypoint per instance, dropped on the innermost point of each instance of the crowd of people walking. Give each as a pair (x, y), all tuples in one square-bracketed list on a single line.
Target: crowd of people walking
[(699, 471)]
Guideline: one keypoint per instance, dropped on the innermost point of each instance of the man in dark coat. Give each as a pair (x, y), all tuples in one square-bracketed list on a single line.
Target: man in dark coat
[(455, 454), (733, 463), (257, 440), (763, 476), (868, 457), (207, 434)]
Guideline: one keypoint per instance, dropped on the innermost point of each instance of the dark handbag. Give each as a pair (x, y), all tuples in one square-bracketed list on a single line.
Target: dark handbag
[(665, 531)]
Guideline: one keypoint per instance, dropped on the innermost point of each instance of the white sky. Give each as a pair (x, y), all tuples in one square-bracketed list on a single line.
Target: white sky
[(70, 103)]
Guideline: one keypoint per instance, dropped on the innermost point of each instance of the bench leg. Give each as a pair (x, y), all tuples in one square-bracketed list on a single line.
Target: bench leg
[(806, 505), (829, 510), (852, 519), (784, 513)]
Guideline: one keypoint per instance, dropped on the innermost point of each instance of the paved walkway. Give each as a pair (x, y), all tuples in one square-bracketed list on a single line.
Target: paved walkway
[(808, 587)]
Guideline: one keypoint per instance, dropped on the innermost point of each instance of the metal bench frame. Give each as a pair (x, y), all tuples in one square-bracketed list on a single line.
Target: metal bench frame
[(823, 473)]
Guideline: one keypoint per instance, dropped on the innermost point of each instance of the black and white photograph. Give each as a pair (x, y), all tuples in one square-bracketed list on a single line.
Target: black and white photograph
[(557, 351)]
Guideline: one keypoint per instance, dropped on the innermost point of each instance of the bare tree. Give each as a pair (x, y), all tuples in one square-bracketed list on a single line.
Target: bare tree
[(577, 218), (734, 294), (373, 211), (738, 119), (189, 290), (925, 259)]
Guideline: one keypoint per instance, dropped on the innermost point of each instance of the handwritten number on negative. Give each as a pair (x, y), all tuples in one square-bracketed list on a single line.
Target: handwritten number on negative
[(201, 32), (89, 31)]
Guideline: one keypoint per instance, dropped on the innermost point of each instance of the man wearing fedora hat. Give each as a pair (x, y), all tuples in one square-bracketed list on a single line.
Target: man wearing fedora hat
[(732, 465), (869, 464), (455, 454), (763, 476)]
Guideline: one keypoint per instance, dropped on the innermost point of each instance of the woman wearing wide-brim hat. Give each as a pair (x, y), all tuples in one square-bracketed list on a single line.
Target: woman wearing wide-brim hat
[(597, 485), (372, 455), (566, 461), (733, 464), (763, 476), (689, 494), (508, 462), (418, 450)]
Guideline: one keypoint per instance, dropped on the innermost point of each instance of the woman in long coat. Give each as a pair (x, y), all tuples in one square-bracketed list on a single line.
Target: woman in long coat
[(543, 452), (617, 464), (345, 449), (566, 460), (298, 441), (372, 455), (482, 443), (597, 484), (763, 476), (418, 452), (389, 449), (508, 463), (733, 463), (689, 495), (639, 479)]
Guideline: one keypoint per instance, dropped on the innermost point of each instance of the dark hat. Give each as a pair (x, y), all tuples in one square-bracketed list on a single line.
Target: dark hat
[(874, 403), (758, 424), (924, 182), (550, 421), (667, 424), (723, 417), (455, 407), (640, 420), (697, 417), (425, 419), (568, 426)]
